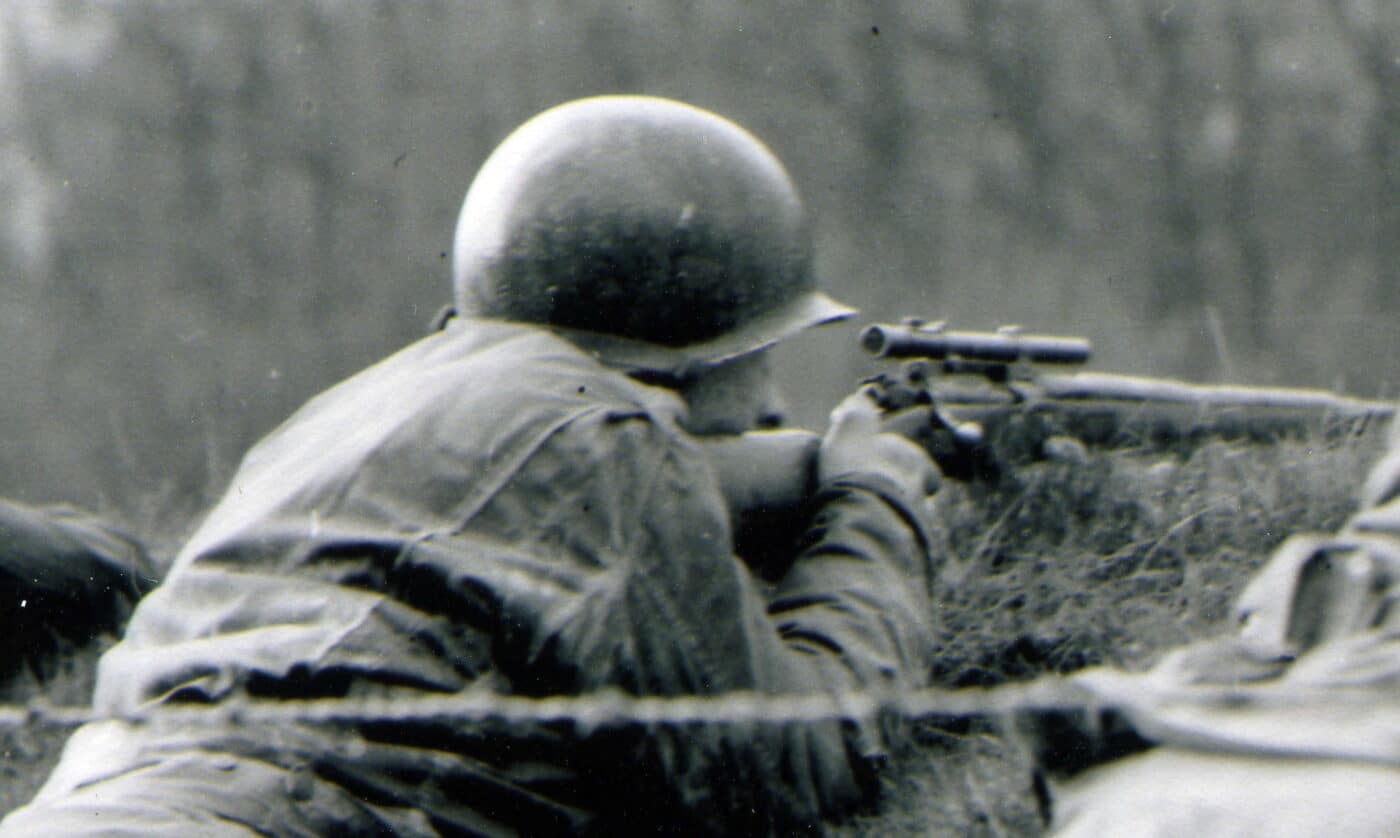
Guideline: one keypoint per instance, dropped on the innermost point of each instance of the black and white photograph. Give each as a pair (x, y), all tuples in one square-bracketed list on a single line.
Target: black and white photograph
[(582, 418)]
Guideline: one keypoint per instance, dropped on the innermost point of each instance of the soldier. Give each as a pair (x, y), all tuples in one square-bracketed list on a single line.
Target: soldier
[(536, 501), (1290, 725)]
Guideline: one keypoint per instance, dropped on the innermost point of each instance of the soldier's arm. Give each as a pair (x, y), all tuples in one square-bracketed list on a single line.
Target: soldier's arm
[(663, 607)]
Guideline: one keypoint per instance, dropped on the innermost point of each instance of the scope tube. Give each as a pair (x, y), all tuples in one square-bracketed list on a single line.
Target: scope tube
[(890, 341)]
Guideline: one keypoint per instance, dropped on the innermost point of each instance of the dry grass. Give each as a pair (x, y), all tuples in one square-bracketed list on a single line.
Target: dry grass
[(28, 753), (1102, 559), (1115, 558)]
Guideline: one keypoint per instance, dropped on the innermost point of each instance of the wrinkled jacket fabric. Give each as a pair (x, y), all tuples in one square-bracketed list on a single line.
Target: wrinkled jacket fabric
[(1290, 725), (492, 510)]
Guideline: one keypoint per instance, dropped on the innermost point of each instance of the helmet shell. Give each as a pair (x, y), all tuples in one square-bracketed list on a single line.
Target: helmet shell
[(660, 234)]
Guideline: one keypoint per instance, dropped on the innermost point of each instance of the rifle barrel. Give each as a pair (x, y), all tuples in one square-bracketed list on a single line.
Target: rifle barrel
[(1130, 388)]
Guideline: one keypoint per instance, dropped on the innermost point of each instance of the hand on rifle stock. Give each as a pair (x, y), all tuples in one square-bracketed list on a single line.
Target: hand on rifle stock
[(858, 442)]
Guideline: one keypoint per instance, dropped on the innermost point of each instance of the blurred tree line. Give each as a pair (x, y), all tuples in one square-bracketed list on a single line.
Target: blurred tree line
[(213, 210)]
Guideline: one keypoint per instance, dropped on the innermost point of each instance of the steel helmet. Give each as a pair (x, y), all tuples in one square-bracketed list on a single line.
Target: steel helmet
[(658, 235)]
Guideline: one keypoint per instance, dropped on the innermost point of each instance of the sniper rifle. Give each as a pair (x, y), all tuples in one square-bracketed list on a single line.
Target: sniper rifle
[(982, 401)]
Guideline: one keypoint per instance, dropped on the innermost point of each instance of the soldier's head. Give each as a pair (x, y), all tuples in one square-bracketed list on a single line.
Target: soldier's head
[(663, 238)]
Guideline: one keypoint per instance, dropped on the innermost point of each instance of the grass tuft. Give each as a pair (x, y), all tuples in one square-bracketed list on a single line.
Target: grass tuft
[(28, 753)]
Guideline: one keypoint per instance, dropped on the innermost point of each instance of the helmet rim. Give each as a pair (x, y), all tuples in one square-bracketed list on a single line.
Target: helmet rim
[(811, 309)]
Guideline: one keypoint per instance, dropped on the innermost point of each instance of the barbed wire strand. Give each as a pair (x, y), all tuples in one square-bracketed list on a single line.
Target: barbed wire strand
[(611, 707), (588, 710)]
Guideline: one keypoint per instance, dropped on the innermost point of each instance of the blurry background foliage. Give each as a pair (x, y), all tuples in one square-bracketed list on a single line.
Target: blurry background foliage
[(210, 211)]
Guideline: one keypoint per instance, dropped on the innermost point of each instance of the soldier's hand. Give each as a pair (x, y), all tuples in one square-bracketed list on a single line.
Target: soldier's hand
[(855, 443)]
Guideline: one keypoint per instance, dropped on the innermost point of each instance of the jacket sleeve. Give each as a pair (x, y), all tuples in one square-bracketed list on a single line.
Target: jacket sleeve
[(644, 594)]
